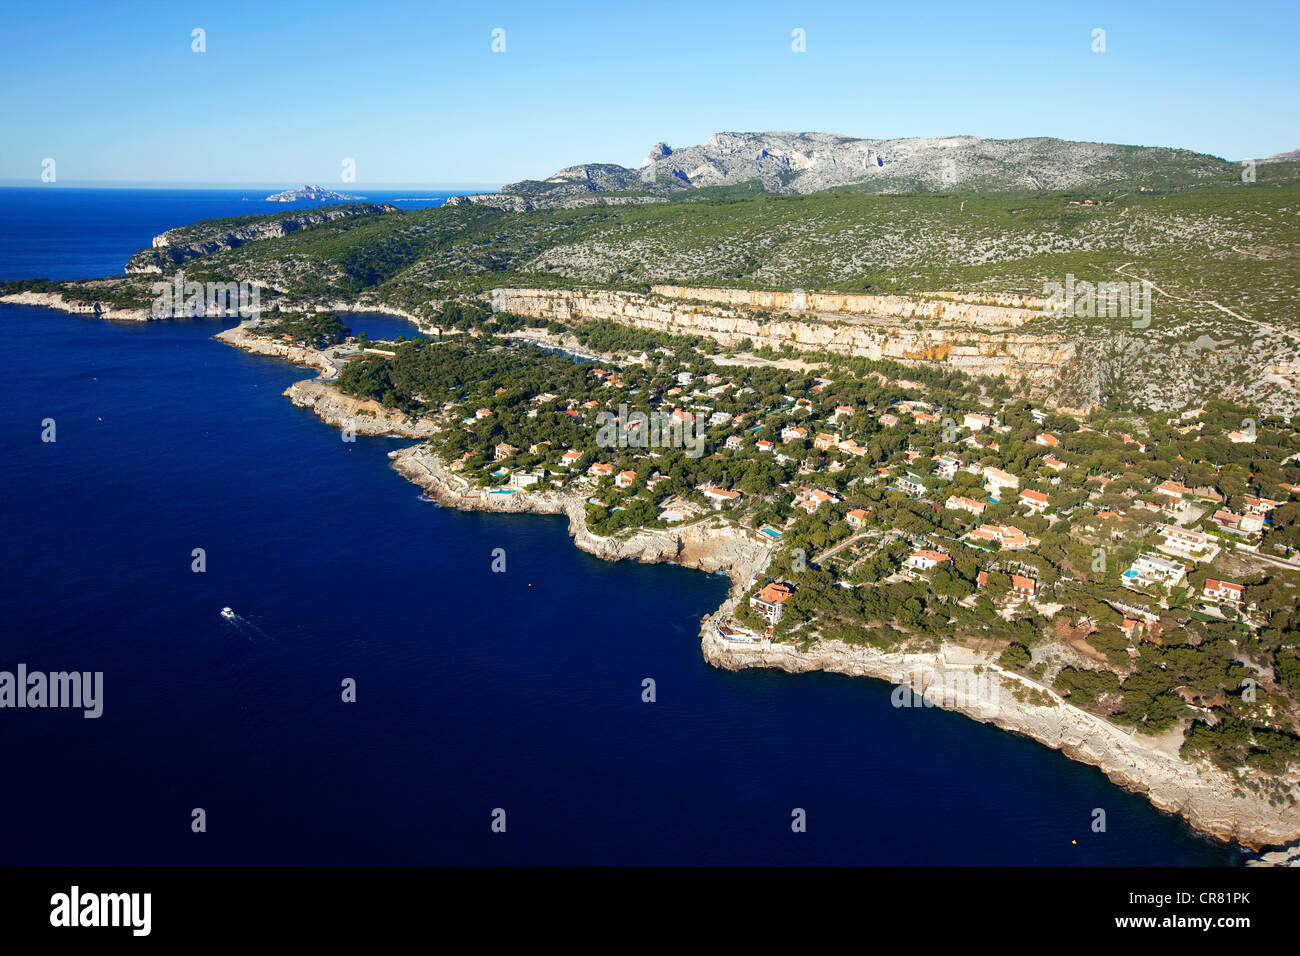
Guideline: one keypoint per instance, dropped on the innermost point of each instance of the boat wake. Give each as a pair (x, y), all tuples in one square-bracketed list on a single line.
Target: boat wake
[(244, 626)]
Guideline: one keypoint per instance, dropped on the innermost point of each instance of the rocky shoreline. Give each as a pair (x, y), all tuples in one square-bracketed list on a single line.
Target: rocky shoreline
[(1198, 792), (1206, 797), (55, 300), (709, 545), (1201, 794)]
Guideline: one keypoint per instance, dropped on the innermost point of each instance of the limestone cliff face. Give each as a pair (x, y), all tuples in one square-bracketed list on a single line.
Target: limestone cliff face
[(948, 340), (983, 312), (240, 338), (358, 416), (93, 308)]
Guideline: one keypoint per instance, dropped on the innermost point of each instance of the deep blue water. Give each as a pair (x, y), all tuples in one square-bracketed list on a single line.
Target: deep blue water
[(57, 232), (476, 690)]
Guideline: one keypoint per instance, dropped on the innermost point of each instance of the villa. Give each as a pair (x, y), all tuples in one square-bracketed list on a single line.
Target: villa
[(1151, 569), (962, 503), (720, 496), (925, 560), (1244, 523), (1184, 543), (1006, 537), (1171, 489), (1035, 500), (911, 485), (1260, 506), (768, 602), (810, 499), (996, 480), (1022, 588), (1224, 591), (947, 467)]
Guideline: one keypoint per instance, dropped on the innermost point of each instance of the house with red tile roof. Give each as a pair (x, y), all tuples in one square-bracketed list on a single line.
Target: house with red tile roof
[(962, 503), (995, 479), (767, 603), (926, 559), (1035, 500), (720, 496), (1023, 588), (1224, 591)]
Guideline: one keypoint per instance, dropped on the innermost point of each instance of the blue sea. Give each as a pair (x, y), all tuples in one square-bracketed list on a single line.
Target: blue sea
[(475, 691)]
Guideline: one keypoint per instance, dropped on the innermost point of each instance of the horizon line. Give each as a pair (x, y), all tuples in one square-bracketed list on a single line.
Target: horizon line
[(259, 185)]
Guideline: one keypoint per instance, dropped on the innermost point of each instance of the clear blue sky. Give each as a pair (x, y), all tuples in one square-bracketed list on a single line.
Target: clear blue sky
[(414, 94)]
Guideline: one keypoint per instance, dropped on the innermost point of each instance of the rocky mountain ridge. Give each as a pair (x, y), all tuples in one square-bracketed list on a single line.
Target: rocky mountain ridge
[(788, 162)]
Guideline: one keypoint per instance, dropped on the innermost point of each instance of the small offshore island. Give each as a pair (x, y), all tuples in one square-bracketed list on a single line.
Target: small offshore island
[(311, 193), (1079, 529)]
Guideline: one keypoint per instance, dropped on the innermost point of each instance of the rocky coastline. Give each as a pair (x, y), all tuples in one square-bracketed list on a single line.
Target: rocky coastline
[(1208, 799)]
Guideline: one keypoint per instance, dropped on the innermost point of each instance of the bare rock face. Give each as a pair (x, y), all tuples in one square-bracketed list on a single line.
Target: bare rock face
[(948, 333), (100, 310), (177, 246), (788, 162), (356, 415), (241, 338)]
